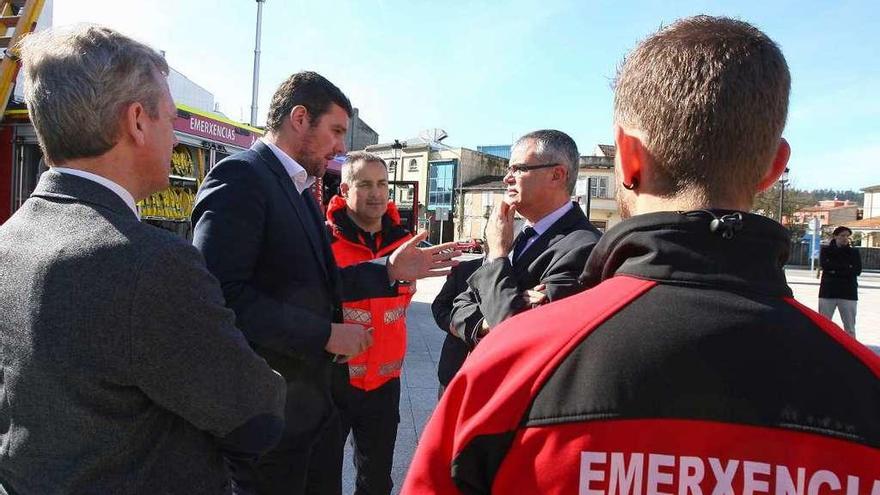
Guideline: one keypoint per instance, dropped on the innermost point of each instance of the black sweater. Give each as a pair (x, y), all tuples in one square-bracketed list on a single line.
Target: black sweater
[(840, 268)]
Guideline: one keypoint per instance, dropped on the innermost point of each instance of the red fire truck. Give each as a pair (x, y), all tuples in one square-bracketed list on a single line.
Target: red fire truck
[(205, 139)]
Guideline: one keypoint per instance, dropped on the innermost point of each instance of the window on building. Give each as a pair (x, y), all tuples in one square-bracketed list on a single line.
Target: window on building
[(410, 193), (392, 166), (413, 165), (599, 186), (601, 225), (441, 177)]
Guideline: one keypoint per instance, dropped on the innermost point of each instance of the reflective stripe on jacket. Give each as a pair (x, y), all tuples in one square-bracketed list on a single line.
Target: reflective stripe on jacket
[(386, 315)]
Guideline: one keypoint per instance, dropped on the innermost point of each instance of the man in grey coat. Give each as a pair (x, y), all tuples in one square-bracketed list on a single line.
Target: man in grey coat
[(121, 371)]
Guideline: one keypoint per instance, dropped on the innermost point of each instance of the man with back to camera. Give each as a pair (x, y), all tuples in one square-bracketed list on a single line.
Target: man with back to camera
[(108, 384), (688, 368), (549, 253), (263, 236)]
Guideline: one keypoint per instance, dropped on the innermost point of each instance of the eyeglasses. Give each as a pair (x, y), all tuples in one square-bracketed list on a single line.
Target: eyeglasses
[(518, 168)]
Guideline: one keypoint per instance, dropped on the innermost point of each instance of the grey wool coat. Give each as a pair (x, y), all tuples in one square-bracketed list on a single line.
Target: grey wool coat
[(121, 371)]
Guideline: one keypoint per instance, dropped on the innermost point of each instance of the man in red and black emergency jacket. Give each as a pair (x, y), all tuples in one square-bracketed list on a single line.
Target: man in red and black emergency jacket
[(363, 225), (688, 368)]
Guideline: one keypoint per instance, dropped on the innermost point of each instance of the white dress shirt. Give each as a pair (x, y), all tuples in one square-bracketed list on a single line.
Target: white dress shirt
[(120, 191), (545, 223), (301, 179)]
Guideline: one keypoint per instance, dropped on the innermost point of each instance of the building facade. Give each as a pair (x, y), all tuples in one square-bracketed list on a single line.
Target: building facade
[(499, 150), (359, 134), (480, 196), (829, 212), (596, 182), (872, 202), (868, 228), (433, 176)]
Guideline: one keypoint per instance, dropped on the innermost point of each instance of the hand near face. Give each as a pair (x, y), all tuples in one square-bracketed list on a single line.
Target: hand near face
[(499, 230), (410, 262)]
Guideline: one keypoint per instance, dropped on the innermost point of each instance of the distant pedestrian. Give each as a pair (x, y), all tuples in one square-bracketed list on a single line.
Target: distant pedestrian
[(839, 289)]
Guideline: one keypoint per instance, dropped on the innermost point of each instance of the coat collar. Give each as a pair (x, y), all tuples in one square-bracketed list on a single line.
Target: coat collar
[(680, 248), (66, 187), (304, 211)]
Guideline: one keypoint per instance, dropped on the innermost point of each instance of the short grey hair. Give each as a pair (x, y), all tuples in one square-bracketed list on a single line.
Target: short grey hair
[(554, 146), (77, 82), (354, 157)]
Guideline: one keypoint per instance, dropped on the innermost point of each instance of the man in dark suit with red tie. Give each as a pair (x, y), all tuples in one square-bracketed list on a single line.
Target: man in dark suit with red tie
[(549, 254), (262, 235)]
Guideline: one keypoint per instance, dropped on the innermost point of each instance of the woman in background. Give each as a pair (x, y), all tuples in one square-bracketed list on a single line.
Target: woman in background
[(841, 266)]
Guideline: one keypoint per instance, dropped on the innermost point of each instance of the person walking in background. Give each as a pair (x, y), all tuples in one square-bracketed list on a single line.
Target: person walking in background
[(121, 369), (839, 288)]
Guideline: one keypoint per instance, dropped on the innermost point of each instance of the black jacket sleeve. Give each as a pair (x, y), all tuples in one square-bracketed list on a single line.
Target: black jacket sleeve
[(442, 305), (366, 280)]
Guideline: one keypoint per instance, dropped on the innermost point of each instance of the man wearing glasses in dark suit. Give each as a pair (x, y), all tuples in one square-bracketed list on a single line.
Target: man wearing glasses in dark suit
[(546, 258)]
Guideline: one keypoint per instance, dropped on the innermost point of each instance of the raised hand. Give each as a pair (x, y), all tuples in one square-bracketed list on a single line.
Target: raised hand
[(499, 230), (410, 262)]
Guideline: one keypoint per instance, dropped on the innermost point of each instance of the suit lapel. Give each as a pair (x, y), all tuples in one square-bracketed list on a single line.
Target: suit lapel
[(559, 229), (300, 208)]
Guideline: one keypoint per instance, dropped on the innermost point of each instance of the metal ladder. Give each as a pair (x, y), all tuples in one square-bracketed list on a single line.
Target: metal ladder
[(17, 18)]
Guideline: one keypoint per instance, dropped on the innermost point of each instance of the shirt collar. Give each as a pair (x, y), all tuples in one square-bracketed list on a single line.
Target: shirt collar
[(120, 191), (545, 223), (301, 179)]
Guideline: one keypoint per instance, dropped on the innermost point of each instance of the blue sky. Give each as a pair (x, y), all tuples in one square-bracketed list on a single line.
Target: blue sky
[(488, 71)]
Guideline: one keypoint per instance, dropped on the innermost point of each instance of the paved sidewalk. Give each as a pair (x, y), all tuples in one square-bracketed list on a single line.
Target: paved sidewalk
[(805, 286), (419, 379)]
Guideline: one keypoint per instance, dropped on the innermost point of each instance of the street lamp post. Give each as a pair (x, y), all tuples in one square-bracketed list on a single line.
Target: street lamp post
[(589, 195), (487, 212), (256, 85), (782, 181), (396, 146)]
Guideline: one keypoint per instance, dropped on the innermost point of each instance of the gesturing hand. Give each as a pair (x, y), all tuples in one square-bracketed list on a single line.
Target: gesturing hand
[(409, 262)]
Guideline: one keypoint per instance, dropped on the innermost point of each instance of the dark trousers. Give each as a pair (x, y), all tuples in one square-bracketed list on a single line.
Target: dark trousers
[(371, 418), (291, 467)]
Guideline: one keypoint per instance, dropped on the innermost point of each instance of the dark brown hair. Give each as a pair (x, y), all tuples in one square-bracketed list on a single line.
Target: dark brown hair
[(310, 90)]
